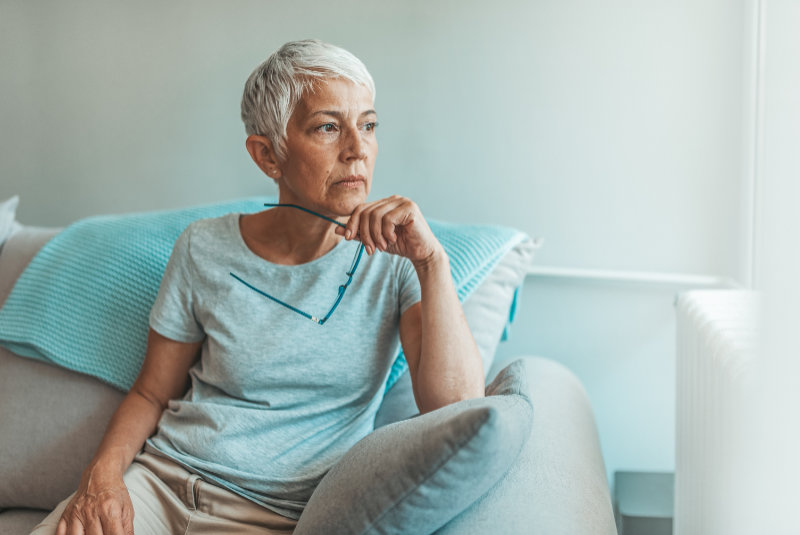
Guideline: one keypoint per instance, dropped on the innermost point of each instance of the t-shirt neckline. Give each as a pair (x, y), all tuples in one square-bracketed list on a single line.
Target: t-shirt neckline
[(236, 230)]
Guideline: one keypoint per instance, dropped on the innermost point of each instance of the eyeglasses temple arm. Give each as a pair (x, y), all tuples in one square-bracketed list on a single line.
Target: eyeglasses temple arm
[(312, 212), (344, 286), (287, 305)]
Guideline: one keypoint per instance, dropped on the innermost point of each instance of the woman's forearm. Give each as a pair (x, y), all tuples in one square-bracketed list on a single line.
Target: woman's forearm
[(450, 366), (162, 377), (134, 420)]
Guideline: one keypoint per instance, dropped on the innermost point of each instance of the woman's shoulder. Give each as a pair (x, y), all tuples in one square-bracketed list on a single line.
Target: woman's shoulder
[(210, 227), (207, 234)]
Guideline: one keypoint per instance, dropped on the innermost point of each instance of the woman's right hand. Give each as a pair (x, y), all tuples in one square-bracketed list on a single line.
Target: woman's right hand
[(101, 505)]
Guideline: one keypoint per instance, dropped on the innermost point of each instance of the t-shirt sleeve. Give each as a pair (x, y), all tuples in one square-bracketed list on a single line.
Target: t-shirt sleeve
[(173, 313), (410, 292)]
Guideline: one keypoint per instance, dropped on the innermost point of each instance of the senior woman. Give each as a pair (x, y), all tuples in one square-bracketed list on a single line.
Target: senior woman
[(280, 327)]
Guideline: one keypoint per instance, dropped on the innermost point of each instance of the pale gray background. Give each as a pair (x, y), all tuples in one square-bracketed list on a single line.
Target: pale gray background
[(619, 131)]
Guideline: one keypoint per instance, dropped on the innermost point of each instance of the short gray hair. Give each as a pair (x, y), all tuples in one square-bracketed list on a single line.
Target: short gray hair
[(277, 85)]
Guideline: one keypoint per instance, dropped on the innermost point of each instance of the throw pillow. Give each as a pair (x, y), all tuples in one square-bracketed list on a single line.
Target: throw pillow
[(8, 223), (414, 476)]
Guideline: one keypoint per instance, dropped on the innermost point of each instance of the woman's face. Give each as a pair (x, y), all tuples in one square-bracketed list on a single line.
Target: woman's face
[(330, 149)]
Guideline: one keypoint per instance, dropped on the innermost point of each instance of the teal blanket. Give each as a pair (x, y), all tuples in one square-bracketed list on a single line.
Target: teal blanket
[(84, 300)]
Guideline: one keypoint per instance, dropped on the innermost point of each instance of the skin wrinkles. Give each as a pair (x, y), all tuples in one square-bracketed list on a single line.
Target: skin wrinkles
[(317, 159), (329, 137)]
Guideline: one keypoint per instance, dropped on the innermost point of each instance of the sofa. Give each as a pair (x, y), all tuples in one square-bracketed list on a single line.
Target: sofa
[(551, 481)]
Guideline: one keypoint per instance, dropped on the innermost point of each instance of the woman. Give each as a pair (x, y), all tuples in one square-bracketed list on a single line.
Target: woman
[(282, 330)]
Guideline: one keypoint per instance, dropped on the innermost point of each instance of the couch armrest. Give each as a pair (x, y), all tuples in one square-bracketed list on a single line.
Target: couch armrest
[(558, 483)]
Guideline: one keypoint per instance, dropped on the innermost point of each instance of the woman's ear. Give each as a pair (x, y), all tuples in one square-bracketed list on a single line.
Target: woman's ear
[(261, 150)]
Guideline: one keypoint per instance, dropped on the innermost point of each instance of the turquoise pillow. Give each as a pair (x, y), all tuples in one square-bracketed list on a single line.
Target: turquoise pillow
[(87, 294), (416, 475)]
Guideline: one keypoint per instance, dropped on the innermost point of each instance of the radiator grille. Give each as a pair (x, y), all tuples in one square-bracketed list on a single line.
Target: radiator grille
[(715, 379)]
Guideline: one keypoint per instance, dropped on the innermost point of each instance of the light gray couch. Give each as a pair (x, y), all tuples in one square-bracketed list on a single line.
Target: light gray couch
[(52, 419)]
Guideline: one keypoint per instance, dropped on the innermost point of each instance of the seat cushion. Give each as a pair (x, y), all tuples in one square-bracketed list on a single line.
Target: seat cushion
[(20, 521), (51, 422)]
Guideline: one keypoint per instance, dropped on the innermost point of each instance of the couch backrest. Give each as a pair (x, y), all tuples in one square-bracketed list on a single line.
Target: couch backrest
[(17, 252)]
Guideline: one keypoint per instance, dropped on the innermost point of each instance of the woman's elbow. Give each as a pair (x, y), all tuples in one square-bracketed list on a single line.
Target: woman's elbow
[(438, 399)]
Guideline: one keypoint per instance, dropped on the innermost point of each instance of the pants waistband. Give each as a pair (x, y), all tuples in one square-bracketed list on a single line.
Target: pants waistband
[(206, 497)]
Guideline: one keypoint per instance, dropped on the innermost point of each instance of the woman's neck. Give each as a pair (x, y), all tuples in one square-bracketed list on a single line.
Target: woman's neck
[(285, 235)]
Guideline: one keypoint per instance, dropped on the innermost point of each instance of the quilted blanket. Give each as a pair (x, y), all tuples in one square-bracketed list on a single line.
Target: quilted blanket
[(84, 300)]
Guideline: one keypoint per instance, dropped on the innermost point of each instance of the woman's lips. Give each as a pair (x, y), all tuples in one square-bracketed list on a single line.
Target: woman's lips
[(351, 182)]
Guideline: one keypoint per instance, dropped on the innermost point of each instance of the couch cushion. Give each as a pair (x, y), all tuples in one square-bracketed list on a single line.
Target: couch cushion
[(414, 476), (20, 521), (51, 422)]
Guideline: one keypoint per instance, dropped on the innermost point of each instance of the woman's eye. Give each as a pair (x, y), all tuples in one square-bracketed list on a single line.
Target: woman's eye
[(369, 127), (327, 127)]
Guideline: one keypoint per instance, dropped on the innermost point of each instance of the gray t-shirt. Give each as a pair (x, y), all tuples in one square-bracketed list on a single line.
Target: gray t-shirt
[(275, 399)]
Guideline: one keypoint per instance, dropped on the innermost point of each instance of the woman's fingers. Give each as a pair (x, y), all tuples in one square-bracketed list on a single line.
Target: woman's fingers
[(376, 225), (363, 221), (61, 529), (113, 525), (76, 527), (351, 229), (363, 230), (379, 223), (95, 527), (70, 523), (111, 520)]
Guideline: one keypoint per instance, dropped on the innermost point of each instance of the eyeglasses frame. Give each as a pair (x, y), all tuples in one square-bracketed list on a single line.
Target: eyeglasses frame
[(342, 287)]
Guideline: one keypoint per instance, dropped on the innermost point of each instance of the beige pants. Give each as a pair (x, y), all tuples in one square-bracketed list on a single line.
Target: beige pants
[(170, 500)]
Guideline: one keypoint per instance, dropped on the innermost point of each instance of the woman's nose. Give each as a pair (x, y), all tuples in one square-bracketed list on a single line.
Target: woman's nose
[(354, 145)]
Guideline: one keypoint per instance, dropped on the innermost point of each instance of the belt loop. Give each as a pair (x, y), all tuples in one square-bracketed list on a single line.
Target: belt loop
[(198, 502), (189, 498)]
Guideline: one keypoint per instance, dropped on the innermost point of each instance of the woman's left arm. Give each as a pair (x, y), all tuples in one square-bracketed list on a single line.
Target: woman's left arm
[(443, 359)]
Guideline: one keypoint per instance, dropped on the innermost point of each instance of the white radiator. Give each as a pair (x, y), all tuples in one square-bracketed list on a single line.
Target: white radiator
[(715, 380)]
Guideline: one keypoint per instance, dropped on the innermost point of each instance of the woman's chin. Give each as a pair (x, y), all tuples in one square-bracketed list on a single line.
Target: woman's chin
[(346, 204), (346, 209)]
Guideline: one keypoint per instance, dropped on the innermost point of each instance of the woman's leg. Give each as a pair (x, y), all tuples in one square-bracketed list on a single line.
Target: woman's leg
[(168, 499), (50, 523), (218, 510)]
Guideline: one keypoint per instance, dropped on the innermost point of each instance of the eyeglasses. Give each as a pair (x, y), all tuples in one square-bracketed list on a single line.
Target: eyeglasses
[(342, 287)]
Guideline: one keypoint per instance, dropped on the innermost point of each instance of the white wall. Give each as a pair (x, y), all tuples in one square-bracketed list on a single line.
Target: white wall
[(771, 504), (612, 129)]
